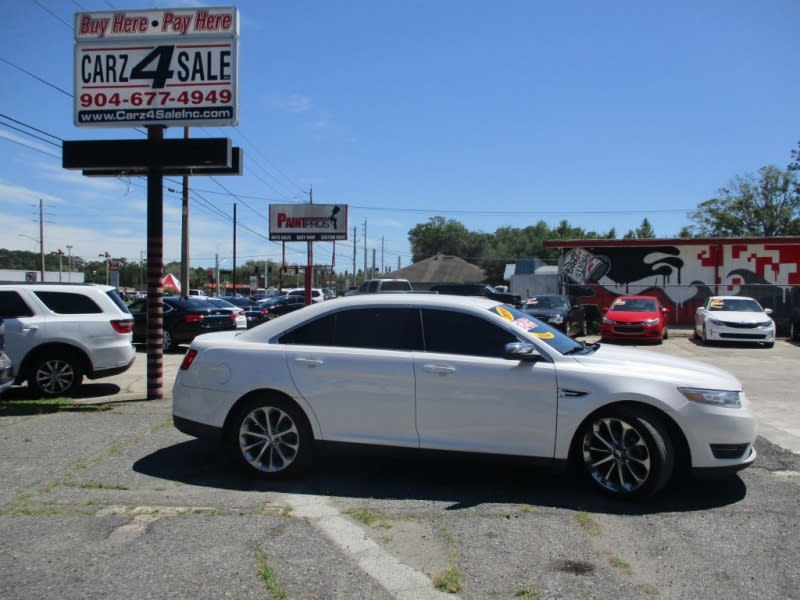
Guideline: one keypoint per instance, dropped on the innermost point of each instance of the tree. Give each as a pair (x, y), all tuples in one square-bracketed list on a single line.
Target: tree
[(644, 231), (440, 236), (766, 205)]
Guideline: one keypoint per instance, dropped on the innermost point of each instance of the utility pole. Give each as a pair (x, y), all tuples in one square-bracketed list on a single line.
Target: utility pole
[(382, 269), (41, 233), (234, 249), (185, 229), (355, 243), (69, 262), (365, 249)]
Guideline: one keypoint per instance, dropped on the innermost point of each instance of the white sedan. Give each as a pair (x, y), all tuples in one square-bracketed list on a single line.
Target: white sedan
[(461, 374), (734, 319)]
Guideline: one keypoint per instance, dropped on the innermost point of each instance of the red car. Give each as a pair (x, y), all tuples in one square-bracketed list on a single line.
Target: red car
[(635, 318)]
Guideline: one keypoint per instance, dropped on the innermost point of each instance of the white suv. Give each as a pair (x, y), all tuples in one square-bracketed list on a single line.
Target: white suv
[(55, 334)]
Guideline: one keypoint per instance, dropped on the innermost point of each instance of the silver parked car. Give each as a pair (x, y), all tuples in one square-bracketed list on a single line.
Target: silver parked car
[(458, 373)]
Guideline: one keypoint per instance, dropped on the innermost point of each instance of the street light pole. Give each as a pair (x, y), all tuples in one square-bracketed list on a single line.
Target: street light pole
[(108, 259), (60, 254)]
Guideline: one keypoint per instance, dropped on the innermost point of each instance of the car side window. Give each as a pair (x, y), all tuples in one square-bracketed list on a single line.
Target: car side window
[(68, 303), (458, 333), (13, 306), (378, 328)]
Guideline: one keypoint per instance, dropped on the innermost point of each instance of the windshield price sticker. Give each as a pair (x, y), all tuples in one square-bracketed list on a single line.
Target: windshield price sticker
[(156, 67)]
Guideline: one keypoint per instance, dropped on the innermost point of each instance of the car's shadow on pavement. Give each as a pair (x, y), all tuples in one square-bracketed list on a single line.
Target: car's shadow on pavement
[(462, 481)]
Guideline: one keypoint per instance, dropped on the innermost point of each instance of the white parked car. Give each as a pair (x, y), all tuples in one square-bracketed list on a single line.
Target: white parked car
[(56, 334), (317, 294), (459, 373), (734, 319)]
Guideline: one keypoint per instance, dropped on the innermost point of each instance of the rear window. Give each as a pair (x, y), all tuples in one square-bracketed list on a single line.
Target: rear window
[(395, 286), (13, 306), (68, 303), (117, 299)]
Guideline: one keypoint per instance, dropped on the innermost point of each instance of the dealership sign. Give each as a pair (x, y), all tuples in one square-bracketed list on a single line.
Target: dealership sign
[(307, 222), (175, 67)]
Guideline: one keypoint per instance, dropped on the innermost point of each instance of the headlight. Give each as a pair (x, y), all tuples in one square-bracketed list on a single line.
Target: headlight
[(764, 325), (607, 321), (557, 319), (651, 322), (716, 397), (717, 323)]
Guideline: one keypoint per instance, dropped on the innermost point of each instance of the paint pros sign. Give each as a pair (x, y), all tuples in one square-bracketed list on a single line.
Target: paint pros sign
[(175, 67), (307, 222)]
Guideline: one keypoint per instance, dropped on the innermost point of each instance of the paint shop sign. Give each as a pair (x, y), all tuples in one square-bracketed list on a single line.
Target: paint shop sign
[(174, 67), (307, 222)]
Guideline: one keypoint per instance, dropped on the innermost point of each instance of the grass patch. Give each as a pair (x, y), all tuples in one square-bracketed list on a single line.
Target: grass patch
[(95, 485), (366, 517), (448, 581), (269, 577), (588, 523), (44, 406), (525, 593), (619, 563), (526, 508)]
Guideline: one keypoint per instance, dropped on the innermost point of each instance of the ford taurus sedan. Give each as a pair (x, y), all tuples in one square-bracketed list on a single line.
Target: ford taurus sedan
[(734, 319), (460, 374)]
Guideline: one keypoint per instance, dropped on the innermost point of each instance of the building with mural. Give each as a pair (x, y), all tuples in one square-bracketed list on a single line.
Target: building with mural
[(683, 272)]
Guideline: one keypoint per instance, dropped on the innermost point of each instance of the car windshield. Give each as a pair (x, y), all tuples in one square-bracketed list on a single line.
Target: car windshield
[(734, 304), (546, 302), (633, 305), (541, 331)]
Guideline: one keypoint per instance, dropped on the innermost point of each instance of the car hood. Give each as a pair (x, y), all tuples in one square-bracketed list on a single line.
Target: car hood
[(633, 362), (735, 316), (631, 316)]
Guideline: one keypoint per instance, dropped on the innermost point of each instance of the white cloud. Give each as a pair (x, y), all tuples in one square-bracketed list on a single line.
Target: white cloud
[(293, 103)]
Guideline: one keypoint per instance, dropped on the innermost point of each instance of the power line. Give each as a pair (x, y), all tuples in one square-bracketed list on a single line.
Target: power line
[(36, 77)]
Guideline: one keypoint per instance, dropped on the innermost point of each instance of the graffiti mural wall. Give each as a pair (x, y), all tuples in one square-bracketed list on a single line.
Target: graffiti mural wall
[(683, 273)]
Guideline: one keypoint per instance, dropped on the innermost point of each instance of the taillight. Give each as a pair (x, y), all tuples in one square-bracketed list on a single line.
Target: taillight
[(188, 359), (193, 318), (263, 312), (122, 325)]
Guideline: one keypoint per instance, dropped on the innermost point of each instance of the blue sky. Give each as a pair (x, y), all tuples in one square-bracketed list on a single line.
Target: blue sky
[(491, 113)]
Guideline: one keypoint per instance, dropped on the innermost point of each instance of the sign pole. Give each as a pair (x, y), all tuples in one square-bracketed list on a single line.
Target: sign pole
[(155, 267)]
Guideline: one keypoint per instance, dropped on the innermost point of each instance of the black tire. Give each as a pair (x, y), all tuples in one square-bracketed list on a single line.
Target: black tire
[(666, 333), (769, 344), (627, 452), (55, 374), (584, 328), (270, 438), (794, 331)]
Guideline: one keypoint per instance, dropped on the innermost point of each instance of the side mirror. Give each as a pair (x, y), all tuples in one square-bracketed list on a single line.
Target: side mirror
[(521, 351), (768, 311)]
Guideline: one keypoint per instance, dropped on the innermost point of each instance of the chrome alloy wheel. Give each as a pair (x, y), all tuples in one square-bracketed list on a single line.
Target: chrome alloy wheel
[(269, 439), (55, 377), (616, 455)]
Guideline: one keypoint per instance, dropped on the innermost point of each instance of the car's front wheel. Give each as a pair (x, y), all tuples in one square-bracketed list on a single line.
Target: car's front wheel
[(627, 452), (271, 437), (54, 375)]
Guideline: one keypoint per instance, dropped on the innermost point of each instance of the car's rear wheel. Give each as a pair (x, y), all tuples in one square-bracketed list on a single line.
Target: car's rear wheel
[(52, 376), (271, 438), (627, 452), (794, 332)]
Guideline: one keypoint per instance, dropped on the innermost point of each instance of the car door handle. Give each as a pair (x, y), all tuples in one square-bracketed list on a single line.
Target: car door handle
[(29, 329), (309, 362), (440, 369)]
